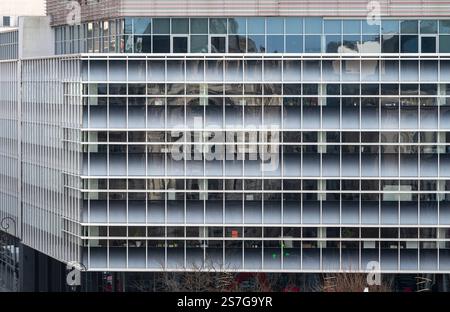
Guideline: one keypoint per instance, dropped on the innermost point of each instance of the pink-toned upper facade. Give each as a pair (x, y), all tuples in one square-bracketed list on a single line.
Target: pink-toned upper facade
[(103, 9)]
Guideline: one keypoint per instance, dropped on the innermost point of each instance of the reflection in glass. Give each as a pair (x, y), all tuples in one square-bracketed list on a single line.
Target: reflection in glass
[(312, 44), (294, 44), (256, 43), (275, 44)]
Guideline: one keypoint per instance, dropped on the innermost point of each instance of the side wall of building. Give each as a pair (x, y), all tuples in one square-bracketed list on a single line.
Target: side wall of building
[(51, 117), (9, 148)]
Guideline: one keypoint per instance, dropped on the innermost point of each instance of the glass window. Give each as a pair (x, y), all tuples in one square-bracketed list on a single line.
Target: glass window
[(313, 25), (237, 44), (218, 44), (255, 25), (161, 44), (444, 27), (256, 43), (332, 43), (350, 42), (370, 44), (352, 26), (199, 26), (142, 44), (312, 44), (390, 44), (237, 26), (180, 25), (180, 45), (199, 44), (275, 44), (409, 70), (409, 27), (428, 44), (128, 27), (428, 27), (275, 25), (142, 25), (294, 25), (371, 28), (389, 27), (218, 26), (444, 44), (332, 26), (294, 44), (161, 26), (409, 44)]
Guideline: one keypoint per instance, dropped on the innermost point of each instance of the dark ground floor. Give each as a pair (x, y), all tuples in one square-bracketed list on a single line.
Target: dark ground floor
[(36, 272)]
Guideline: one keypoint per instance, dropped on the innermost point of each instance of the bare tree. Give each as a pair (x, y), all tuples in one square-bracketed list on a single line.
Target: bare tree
[(352, 282)]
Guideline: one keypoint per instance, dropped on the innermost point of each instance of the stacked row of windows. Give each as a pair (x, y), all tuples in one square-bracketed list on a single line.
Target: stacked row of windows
[(292, 106), (270, 185), (270, 70), (9, 45), (314, 251), (254, 35), (254, 207), (308, 232)]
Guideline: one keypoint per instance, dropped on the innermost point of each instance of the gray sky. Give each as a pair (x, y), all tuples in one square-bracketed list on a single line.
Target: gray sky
[(22, 7)]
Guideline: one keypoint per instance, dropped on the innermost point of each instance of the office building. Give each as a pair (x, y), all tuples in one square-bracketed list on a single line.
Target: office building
[(246, 136)]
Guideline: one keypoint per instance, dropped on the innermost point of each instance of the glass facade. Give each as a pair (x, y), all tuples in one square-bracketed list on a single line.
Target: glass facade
[(360, 147), (254, 35), (277, 144)]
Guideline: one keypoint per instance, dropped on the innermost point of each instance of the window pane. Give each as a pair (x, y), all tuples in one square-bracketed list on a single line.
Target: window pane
[(161, 44), (332, 26), (180, 44), (390, 44), (180, 26), (199, 44), (275, 25), (161, 26), (389, 27), (312, 44), (428, 44), (218, 25), (352, 26), (332, 43), (237, 26), (444, 27), (409, 44), (444, 44), (370, 44), (294, 44), (255, 25), (409, 27), (275, 44), (350, 43), (199, 25), (128, 27), (142, 25), (294, 25), (237, 44), (313, 25), (428, 27), (256, 43), (218, 44), (370, 28), (142, 44)]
